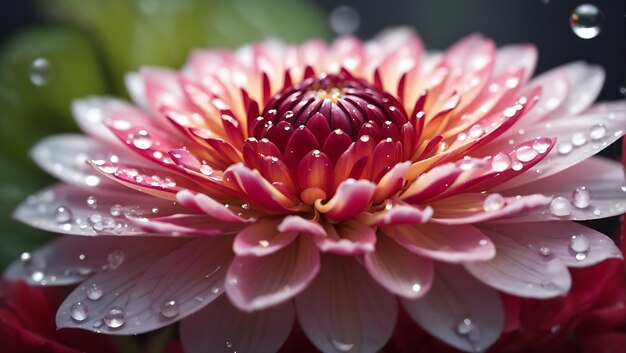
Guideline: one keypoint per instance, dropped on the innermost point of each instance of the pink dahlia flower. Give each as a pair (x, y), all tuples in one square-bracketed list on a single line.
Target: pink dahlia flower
[(328, 184)]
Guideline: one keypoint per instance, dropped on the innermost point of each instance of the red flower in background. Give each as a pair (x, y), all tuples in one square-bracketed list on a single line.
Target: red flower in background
[(27, 323)]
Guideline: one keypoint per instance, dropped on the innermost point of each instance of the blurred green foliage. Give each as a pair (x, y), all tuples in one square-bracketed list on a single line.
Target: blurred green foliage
[(86, 47)]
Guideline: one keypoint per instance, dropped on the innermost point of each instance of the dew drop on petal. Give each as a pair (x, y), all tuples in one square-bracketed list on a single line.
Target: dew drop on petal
[(26, 257), (586, 21), (142, 140), (464, 327), (579, 243), (416, 287), (169, 309), (95, 218), (545, 251), (493, 202), (40, 72), (581, 256), (62, 214), (501, 162), (94, 292), (461, 136), (476, 131), (525, 153), (116, 210), (517, 166), (206, 170), (342, 346), (79, 311), (542, 144), (560, 206), (92, 202), (578, 139), (37, 276), (115, 259), (581, 197), (597, 132), (115, 318), (564, 148)]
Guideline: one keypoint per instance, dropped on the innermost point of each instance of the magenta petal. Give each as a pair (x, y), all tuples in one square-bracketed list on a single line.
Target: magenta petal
[(257, 189), (179, 284), (262, 238), (124, 267), (221, 328), (352, 197), (454, 297), (42, 210), (459, 243), (608, 197), (345, 310), (301, 225), (254, 282), (401, 214), (431, 183), (519, 270), (208, 205), (398, 270), (347, 238)]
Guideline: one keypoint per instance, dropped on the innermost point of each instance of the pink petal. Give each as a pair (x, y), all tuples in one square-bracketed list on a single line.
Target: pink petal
[(209, 206), (65, 157), (352, 197), (347, 238), (431, 183), (258, 190), (42, 210), (554, 239), (221, 328), (301, 225), (345, 310), (514, 208), (262, 238), (136, 89), (399, 271), (401, 214), (125, 268), (391, 182), (89, 114), (518, 270), (514, 57), (585, 82), (183, 225), (453, 244), (608, 197), (454, 297), (254, 283), (192, 276)]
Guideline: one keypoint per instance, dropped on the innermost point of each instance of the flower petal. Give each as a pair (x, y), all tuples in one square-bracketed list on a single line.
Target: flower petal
[(345, 310), (400, 214), (89, 114), (459, 243), (454, 297), (209, 206), (352, 197), (221, 328), (262, 238), (254, 282), (399, 271), (103, 214), (514, 57), (125, 268), (518, 270), (301, 225), (192, 276), (585, 82), (347, 238)]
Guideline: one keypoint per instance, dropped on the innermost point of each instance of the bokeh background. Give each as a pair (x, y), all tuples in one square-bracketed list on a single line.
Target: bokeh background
[(87, 46)]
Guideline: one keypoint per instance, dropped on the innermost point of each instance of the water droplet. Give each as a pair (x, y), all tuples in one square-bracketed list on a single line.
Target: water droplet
[(586, 21), (581, 256), (542, 144), (476, 131), (92, 202), (560, 206), (579, 243), (37, 276), (115, 259), (79, 311), (94, 292), (142, 140), (545, 251), (40, 72), (578, 139), (95, 218), (115, 318), (169, 309), (206, 170), (501, 162), (416, 287), (464, 327), (116, 210), (26, 257), (344, 20), (342, 346), (597, 132), (564, 148), (525, 153), (517, 166), (215, 290), (264, 243), (62, 214), (581, 197), (493, 202)]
